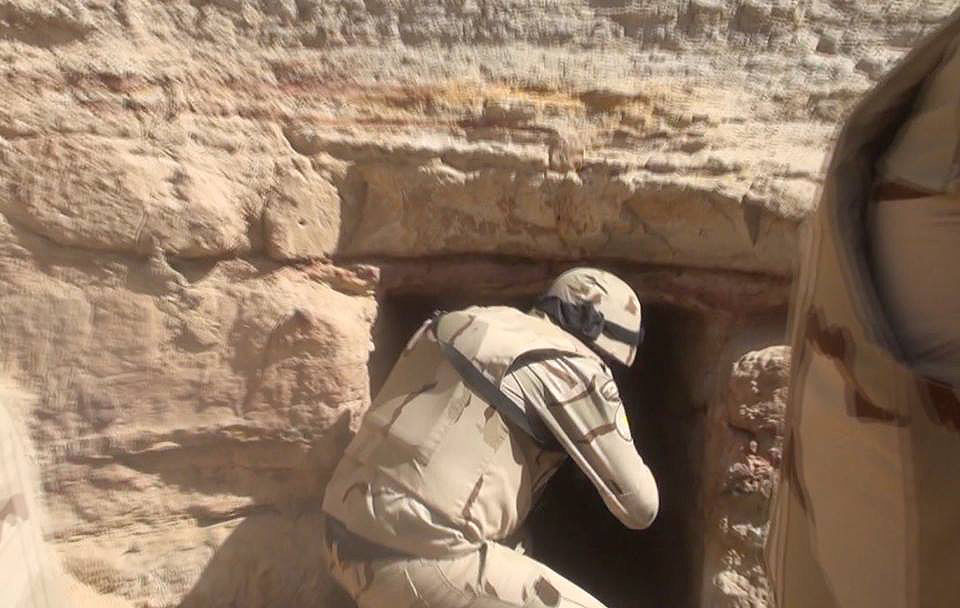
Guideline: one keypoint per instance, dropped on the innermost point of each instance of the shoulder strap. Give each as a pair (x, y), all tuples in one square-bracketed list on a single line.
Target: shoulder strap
[(531, 424)]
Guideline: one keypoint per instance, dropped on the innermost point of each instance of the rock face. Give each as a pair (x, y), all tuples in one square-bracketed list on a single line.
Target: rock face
[(32, 575), (176, 404), (748, 437), (202, 204)]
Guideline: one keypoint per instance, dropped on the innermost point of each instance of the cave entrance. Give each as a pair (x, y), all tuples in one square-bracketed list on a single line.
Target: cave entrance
[(571, 530), (659, 566)]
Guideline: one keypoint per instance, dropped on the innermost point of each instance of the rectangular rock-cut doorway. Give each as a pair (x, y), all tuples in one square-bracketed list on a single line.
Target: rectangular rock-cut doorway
[(571, 530)]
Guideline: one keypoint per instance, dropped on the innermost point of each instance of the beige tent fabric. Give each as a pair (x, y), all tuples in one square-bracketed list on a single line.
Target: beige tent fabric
[(866, 512), (920, 290), (924, 153)]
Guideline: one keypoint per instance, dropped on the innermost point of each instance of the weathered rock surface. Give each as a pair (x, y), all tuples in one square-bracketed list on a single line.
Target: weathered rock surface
[(31, 573), (748, 440), (185, 188), (177, 402), (685, 133)]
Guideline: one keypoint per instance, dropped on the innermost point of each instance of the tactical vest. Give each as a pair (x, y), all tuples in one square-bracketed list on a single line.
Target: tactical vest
[(428, 434), (866, 514)]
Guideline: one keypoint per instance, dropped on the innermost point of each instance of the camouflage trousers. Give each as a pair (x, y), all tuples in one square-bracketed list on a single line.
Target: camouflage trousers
[(493, 576)]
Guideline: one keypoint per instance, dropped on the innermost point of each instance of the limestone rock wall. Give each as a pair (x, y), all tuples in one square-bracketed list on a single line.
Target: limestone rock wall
[(746, 441), (679, 132), (196, 198), (32, 576), (175, 405)]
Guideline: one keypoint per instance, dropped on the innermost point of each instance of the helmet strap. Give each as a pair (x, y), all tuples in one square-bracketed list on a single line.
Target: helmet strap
[(622, 334), (582, 320), (585, 322)]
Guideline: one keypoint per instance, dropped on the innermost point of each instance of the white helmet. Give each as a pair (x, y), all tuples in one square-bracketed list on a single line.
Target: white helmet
[(599, 309)]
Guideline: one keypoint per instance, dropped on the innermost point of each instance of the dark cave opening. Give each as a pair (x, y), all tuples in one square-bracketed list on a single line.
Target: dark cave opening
[(571, 529), (659, 566)]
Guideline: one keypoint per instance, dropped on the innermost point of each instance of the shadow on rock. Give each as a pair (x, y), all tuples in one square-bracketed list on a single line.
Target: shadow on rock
[(270, 559)]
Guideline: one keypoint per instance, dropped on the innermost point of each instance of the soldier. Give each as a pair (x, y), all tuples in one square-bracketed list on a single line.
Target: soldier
[(866, 512), (479, 411)]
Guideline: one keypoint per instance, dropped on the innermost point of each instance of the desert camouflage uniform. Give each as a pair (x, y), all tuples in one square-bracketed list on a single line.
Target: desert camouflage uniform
[(866, 514), (437, 475)]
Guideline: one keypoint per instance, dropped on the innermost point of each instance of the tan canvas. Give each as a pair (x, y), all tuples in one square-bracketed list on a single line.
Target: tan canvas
[(923, 153), (920, 288), (865, 515)]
